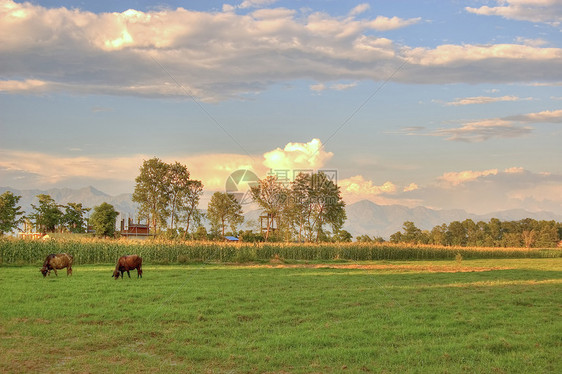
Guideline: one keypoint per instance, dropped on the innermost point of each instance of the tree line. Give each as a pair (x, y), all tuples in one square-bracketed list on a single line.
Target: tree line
[(48, 216), (528, 232), (300, 210)]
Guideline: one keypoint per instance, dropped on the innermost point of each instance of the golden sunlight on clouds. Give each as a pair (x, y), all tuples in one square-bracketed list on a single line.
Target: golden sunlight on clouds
[(411, 187), (309, 155), (21, 86), (358, 185), (456, 178)]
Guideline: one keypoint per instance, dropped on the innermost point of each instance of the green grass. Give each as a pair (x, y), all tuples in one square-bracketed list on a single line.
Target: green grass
[(240, 319)]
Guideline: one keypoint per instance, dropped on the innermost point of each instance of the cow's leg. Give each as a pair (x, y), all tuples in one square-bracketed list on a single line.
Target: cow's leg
[(129, 274), (122, 274), (55, 270), (69, 271)]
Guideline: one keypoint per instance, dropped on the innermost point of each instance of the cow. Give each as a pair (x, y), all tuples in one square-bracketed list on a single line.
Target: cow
[(126, 263), (57, 261)]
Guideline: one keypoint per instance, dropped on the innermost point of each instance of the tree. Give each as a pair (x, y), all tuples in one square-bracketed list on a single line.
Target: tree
[(224, 210), (73, 217), (271, 197), (47, 215), (103, 219), (9, 212), (457, 233), (177, 178), (188, 202), (411, 233), (343, 236), (322, 204), (152, 192)]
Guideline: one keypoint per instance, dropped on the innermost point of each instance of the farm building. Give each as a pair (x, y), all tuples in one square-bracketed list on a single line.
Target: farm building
[(133, 229)]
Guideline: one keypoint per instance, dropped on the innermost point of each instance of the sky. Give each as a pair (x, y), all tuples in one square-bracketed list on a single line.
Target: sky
[(443, 104)]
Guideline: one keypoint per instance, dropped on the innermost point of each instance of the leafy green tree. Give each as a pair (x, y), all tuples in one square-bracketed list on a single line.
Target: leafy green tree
[(177, 178), (200, 233), (548, 234), (438, 235), (223, 211), (411, 233), (343, 236), (10, 212), (104, 219), (152, 192), (457, 233), (364, 239), (396, 237), (47, 216), (272, 197), (324, 205), (188, 203), (73, 217)]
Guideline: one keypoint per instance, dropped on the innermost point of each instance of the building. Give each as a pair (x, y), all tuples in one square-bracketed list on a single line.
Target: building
[(134, 229)]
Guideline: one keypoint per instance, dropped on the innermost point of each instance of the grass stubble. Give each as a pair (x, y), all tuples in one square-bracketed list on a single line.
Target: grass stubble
[(500, 315)]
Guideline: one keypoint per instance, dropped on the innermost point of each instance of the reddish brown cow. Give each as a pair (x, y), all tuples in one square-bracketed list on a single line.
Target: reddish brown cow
[(57, 261), (126, 263)]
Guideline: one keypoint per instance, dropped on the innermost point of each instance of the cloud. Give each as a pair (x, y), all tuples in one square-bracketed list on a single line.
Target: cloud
[(411, 187), (336, 86), (485, 191), (358, 188), (298, 156), (23, 86), (456, 178), (547, 116), (540, 11), (479, 131), (499, 128), (483, 100), (48, 170), (361, 8), (223, 55), (255, 3)]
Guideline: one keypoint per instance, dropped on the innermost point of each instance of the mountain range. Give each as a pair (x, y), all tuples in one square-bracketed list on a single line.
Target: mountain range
[(363, 217)]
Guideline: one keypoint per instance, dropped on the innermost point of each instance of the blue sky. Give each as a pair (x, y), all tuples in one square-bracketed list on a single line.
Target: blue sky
[(443, 104)]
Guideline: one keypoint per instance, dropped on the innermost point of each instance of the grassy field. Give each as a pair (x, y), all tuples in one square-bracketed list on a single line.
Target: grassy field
[(501, 315)]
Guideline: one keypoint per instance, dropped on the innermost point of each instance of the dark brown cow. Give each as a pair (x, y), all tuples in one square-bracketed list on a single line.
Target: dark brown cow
[(57, 261), (126, 263)]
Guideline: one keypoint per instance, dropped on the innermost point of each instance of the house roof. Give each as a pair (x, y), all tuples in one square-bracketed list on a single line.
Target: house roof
[(231, 238)]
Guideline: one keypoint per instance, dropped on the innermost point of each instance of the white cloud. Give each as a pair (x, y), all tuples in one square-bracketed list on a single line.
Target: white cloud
[(47, 170), (506, 127), (479, 131), (456, 178), (255, 3), (411, 187), (547, 116), (294, 156), (361, 8), (544, 11), (485, 191), (484, 100), (24, 86), (222, 55)]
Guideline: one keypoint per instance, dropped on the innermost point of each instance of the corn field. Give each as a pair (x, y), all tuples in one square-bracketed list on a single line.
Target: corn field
[(101, 251)]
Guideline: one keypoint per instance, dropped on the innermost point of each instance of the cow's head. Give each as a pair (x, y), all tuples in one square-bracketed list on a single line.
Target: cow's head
[(44, 271), (116, 274)]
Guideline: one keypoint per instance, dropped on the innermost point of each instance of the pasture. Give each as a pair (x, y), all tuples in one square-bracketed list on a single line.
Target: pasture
[(500, 315)]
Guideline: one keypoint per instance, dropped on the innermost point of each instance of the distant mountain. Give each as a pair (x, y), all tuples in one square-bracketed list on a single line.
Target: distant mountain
[(366, 217), (88, 196), (363, 217)]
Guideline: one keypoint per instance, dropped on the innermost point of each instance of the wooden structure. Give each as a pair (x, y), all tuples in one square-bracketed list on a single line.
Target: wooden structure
[(134, 229), (273, 224)]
